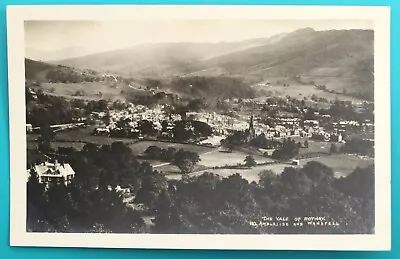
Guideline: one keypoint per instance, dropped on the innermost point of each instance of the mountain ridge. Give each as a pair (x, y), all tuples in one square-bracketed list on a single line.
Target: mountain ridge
[(340, 59)]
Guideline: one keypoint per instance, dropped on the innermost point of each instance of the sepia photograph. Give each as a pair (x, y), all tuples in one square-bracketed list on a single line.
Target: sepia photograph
[(198, 124)]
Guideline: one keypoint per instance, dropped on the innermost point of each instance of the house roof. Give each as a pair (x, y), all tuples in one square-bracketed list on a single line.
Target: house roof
[(54, 169)]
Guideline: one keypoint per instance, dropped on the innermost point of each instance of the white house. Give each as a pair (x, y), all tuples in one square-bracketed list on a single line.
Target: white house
[(29, 128), (53, 172), (295, 162), (267, 152)]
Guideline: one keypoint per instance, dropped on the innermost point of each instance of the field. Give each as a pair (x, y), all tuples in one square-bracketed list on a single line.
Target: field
[(78, 146), (342, 165), (140, 147), (315, 147), (212, 157), (79, 137), (87, 90), (218, 159), (76, 138), (300, 91)]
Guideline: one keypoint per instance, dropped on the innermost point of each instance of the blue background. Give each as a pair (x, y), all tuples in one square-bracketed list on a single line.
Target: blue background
[(60, 253)]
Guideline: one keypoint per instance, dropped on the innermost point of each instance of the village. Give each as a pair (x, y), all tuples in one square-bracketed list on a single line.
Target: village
[(323, 127), (156, 127)]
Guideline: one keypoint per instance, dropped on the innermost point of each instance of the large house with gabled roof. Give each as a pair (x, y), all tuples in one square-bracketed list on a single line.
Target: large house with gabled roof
[(53, 173)]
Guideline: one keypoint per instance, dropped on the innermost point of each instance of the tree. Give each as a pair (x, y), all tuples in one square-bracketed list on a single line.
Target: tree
[(96, 106), (146, 127), (235, 190), (167, 219), (262, 142), (123, 123), (169, 154), (249, 161), (359, 146), (164, 125), (360, 183), (306, 143), (47, 135), (318, 172), (180, 131), (288, 150), (186, 160), (152, 184), (153, 152), (195, 105), (267, 178), (201, 128), (90, 148), (35, 190)]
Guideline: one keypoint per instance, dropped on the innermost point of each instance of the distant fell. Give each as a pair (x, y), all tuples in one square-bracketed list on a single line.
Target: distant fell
[(342, 60)]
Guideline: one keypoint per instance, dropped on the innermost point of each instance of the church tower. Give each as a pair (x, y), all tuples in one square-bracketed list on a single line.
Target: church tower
[(252, 131)]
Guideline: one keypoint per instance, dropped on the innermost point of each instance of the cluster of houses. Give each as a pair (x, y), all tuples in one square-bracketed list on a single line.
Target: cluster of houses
[(133, 115), (222, 125)]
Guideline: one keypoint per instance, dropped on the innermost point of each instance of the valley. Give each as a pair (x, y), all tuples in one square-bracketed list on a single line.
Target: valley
[(181, 136)]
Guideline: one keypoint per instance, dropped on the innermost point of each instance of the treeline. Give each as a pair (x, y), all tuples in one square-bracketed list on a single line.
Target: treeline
[(185, 130), (46, 110), (68, 75), (338, 110), (43, 109), (347, 111), (358, 146), (203, 204), (288, 150), (212, 88), (239, 138), (209, 204), (57, 73), (262, 142)]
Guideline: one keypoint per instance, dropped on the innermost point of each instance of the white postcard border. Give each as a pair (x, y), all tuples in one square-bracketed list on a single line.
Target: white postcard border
[(16, 15)]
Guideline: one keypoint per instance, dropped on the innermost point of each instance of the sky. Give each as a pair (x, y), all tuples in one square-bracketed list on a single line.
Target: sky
[(97, 36)]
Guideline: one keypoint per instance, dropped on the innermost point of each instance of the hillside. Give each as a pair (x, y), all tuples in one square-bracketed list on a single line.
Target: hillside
[(158, 60), (68, 82), (63, 81), (340, 59)]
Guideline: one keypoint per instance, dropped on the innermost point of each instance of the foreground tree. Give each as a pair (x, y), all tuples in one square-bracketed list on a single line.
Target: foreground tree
[(249, 161), (167, 219), (47, 135), (186, 160)]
